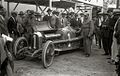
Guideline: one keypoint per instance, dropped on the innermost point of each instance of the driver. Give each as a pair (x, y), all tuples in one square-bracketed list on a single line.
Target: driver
[(5, 67)]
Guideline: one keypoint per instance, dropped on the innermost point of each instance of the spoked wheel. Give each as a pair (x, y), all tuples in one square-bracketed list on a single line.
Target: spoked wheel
[(48, 54), (19, 46)]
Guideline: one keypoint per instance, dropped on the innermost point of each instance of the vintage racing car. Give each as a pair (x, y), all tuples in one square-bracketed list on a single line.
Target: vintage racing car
[(46, 41)]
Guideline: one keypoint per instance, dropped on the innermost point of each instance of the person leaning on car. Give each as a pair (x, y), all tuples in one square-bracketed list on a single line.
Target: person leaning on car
[(5, 68)]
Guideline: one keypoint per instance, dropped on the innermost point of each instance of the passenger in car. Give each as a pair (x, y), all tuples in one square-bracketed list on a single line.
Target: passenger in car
[(48, 16), (64, 20)]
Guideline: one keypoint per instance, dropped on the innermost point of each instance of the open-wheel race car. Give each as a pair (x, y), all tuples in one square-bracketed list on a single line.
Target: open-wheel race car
[(46, 41)]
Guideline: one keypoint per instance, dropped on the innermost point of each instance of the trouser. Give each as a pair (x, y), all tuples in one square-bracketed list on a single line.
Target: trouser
[(6, 69), (99, 38), (87, 42), (110, 41), (114, 49), (105, 42)]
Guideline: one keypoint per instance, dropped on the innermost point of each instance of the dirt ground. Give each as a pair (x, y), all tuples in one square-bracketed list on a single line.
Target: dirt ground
[(72, 63)]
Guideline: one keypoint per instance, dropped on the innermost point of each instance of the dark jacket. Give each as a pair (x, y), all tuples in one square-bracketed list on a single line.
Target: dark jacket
[(47, 18), (12, 25), (105, 28)]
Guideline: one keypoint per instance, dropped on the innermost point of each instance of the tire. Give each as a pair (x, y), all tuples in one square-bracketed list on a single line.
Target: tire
[(48, 54), (17, 47)]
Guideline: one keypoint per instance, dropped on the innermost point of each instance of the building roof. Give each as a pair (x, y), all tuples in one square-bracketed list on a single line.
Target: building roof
[(58, 4)]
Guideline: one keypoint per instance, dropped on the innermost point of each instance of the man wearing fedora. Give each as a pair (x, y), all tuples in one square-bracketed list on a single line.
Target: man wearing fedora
[(20, 19), (48, 16), (12, 25), (105, 33)]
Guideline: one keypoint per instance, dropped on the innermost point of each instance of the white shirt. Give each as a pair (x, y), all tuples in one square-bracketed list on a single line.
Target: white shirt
[(2, 17)]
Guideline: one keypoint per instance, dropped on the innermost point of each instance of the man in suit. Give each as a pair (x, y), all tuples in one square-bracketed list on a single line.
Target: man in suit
[(55, 20), (64, 20), (48, 16), (105, 33), (6, 65), (12, 25)]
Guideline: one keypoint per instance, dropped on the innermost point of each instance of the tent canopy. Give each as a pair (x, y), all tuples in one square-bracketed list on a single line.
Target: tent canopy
[(58, 4)]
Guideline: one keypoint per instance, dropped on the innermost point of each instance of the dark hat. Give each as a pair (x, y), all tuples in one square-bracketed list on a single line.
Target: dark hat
[(21, 13), (110, 10), (49, 10), (54, 12)]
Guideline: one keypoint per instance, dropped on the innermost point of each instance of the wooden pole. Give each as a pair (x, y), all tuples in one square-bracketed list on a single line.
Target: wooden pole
[(75, 10), (15, 6), (50, 4), (8, 8), (117, 4), (36, 8)]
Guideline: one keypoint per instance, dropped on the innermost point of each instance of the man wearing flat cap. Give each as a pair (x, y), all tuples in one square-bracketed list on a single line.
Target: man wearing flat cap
[(20, 19), (48, 16), (12, 25)]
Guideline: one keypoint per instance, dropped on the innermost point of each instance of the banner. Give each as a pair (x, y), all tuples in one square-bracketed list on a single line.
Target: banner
[(93, 2)]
